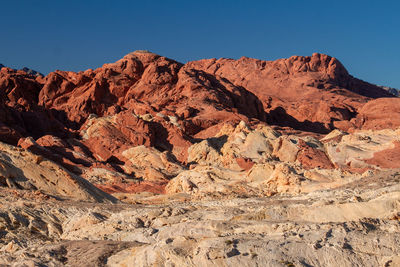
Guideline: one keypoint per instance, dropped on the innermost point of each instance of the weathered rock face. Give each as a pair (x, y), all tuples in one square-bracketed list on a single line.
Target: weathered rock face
[(20, 169), (107, 137), (18, 89), (261, 162), (91, 119), (357, 224), (365, 149), (391, 90), (234, 162), (308, 93), (20, 114), (379, 114), (150, 164), (183, 102), (69, 153)]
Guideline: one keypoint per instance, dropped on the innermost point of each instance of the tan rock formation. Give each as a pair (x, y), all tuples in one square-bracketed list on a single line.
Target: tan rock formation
[(150, 164), (21, 169)]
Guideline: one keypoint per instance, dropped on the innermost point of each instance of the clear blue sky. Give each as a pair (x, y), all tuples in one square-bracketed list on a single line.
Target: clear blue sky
[(76, 35)]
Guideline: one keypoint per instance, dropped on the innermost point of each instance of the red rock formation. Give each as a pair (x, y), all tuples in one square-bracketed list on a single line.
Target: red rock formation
[(58, 151), (388, 158), (311, 157), (107, 138), (245, 164), (145, 186), (18, 89), (20, 114), (308, 93), (147, 99), (379, 114)]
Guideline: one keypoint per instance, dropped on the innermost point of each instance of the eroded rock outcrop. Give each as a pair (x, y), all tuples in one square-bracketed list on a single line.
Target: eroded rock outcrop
[(215, 162), (261, 162), (365, 149), (147, 99), (21, 169), (350, 225)]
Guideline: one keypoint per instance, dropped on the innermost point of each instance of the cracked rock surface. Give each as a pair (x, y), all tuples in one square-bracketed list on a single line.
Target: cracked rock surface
[(353, 225)]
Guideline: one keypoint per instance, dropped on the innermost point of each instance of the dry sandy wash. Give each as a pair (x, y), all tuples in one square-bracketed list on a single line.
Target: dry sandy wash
[(217, 162)]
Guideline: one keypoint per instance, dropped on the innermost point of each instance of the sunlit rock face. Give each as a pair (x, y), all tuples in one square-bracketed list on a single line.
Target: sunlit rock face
[(216, 162)]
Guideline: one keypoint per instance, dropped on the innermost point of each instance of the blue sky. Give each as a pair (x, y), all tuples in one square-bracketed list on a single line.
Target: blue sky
[(76, 35)]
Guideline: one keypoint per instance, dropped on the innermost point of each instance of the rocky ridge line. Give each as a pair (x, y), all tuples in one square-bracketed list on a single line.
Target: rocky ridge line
[(217, 162)]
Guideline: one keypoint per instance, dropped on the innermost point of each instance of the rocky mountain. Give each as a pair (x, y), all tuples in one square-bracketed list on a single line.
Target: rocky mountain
[(27, 70), (393, 91), (31, 71), (148, 161)]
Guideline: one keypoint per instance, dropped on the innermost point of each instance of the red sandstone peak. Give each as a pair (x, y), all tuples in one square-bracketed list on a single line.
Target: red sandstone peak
[(206, 144), (181, 102)]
